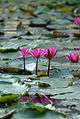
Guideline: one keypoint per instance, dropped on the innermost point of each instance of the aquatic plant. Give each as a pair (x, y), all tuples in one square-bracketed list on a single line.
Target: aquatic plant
[(24, 53), (49, 53), (36, 53), (73, 57), (76, 21)]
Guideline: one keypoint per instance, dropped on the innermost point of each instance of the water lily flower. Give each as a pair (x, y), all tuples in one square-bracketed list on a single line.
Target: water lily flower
[(42, 100), (73, 57), (24, 54), (49, 53), (36, 53), (76, 21)]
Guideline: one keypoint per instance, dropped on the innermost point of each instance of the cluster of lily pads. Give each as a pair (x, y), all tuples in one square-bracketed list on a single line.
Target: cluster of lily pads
[(48, 53)]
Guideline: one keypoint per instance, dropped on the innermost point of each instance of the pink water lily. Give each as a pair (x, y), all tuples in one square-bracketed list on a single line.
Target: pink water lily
[(24, 54), (76, 21), (44, 99), (36, 53), (49, 53), (40, 100), (73, 57)]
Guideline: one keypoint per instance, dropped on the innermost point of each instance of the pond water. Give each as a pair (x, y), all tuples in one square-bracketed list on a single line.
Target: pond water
[(31, 24), (31, 115)]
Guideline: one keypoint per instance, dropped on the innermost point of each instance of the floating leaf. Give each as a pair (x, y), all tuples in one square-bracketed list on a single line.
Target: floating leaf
[(13, 70), (8, 98), (43, 85)]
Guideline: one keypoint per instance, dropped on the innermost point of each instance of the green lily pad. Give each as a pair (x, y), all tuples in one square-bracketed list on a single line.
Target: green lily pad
[(8, 98)]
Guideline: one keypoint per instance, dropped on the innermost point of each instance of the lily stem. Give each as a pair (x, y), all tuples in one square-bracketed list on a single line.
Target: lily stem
[(48, 67), (36, 66), (24, 65)]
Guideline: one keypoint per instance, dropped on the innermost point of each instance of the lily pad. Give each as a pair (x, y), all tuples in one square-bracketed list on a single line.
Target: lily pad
[(43, 85), (38, 23)]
